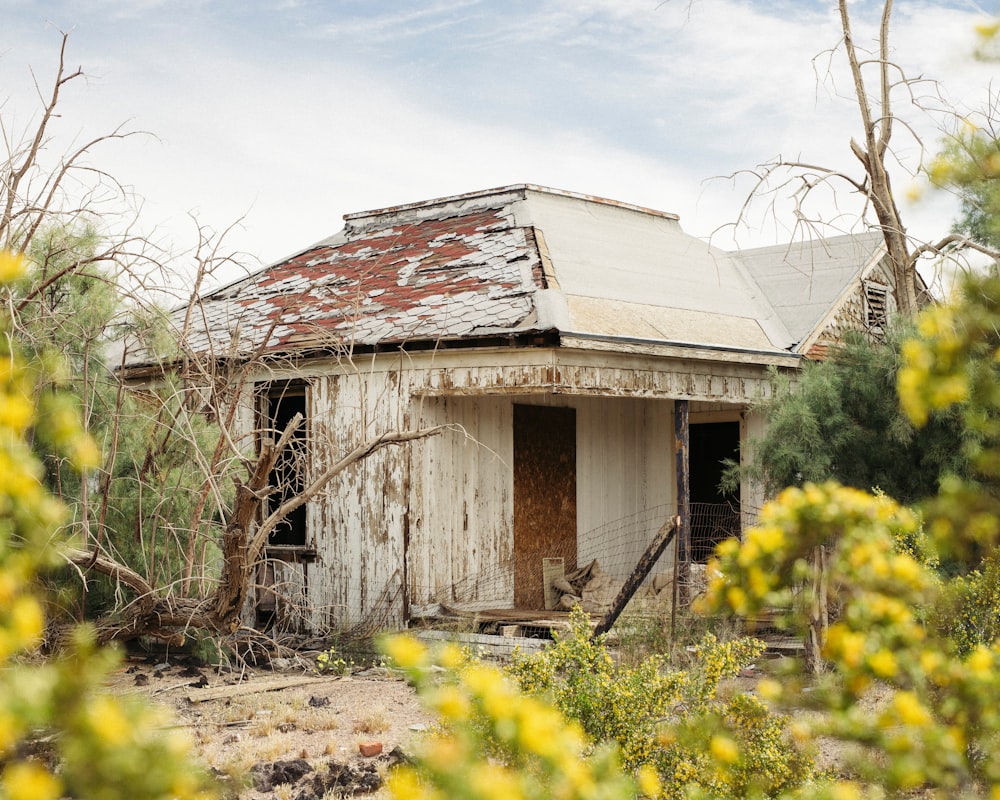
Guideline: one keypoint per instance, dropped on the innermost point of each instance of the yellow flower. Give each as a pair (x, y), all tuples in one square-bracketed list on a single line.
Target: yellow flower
[(493, 782), (452, 704), (737, 600), (538, 728), (406, 651), (931, 661), (649, 781), (724, 749), (845, 644), (26, 621), (450, 656), (949, 391), (27, 780), (84, 452), (910, 710), (9, 585), (10, 730), (489, 686), (845, 790), (988, 30), (11, 266), (883, 663), (769, 689), (16, 412), (108, 721), (980, 663), (727, 547), (403, 784)]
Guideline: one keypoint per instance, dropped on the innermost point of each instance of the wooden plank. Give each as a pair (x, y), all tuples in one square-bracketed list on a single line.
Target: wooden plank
[(255, 687), (663, 537), (495, 645), (682, 439)]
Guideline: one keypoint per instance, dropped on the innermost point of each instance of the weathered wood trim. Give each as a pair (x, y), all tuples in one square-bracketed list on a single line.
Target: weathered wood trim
[(679, 351), (682, 441)]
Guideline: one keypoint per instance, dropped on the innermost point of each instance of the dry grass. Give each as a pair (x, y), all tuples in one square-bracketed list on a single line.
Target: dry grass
[(375, 721)]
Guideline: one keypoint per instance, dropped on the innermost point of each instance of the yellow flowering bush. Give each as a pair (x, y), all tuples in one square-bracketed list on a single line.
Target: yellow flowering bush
[(968, 610), (481, 711), (955, 360), (103, 748), (938, 725), (671, 720), (569, 723)]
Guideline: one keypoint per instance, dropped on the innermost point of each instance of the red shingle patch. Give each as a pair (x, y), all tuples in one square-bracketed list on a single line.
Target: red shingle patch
[(423, 280)]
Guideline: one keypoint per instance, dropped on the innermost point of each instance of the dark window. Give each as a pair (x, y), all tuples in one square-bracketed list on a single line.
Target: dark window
[(278, 405)]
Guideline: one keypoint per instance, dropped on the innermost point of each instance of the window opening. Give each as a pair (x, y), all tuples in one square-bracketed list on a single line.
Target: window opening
[(876, 306), (288, 477)]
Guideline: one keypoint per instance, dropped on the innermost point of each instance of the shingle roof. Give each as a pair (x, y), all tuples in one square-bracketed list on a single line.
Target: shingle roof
[(444, 278), (515, 260)]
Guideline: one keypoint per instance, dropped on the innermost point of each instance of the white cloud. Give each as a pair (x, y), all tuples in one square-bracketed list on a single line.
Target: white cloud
[(632, 99)]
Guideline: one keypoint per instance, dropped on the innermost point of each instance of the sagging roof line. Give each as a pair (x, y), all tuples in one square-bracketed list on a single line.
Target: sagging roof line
[(514, 262), (682, 345)]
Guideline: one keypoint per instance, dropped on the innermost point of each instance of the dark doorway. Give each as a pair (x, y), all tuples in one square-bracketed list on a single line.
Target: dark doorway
[(544, 497), (714, 515)]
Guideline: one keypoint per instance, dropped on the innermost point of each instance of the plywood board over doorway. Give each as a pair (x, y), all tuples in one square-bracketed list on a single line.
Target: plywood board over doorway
[(544, 496)]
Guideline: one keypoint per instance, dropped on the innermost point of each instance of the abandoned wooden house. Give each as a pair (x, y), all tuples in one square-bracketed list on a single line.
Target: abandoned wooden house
[(569, 341)]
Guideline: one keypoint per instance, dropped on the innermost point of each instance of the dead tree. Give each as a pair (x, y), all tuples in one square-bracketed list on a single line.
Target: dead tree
[(876, 80), (158, 613), (196, 396)]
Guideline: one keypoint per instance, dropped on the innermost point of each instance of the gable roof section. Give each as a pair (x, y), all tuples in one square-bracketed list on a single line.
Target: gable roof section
[(525, 259), (806, 280)]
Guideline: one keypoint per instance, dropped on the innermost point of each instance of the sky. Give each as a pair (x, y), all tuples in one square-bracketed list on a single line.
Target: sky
[(274, 118)]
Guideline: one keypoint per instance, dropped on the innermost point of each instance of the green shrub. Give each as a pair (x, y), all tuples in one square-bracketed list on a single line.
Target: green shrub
[(968, 611), (673, 720), (60, 735)]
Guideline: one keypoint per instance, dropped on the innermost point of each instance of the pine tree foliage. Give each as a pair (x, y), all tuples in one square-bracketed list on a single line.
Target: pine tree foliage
[(840, 420)]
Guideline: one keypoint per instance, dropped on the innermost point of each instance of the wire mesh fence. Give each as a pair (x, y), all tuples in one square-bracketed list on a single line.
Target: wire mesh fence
[(607, 555), (587, 569)]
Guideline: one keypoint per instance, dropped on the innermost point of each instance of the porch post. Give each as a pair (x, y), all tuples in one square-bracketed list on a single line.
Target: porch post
[(682, 440)]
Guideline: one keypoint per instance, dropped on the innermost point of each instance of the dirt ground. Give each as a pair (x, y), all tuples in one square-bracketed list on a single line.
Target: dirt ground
[(286, 733), (293, 734)]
